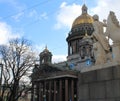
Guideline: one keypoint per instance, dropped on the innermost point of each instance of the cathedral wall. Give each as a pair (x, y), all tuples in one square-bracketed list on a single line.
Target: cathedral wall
[(99, 85)]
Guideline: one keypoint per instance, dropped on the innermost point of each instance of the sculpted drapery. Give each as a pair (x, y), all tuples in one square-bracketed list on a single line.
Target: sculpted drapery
[(101, 45), (99, 34)]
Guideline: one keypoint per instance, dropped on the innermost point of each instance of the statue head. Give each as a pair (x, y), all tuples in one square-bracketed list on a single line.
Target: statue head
[(96, 17)]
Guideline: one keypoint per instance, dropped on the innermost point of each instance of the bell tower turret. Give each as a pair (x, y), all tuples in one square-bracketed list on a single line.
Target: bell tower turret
[(45, 56)]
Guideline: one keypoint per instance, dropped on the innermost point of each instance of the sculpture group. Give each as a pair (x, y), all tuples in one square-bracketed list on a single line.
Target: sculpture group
[(103, 51)]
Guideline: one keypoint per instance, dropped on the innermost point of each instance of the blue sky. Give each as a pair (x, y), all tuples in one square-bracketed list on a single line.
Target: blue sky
[(47, 22)]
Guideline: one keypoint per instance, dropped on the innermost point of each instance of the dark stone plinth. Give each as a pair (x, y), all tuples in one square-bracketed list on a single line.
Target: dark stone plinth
[(88, 77), (116, 71), (113, 89), (105, 74), (100, 84), (84, 92), (97, 90)]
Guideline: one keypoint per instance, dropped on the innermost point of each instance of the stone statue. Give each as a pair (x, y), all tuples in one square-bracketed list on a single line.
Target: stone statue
[(113, 27), (113, 31), (99, 34), (101, 45), (99, 53)]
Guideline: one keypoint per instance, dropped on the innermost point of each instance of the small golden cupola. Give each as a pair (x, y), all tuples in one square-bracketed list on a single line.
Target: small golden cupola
[(45, 56)]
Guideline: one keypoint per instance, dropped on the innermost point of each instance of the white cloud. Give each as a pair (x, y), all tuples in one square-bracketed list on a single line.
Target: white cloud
[(67, 14), (103, 8), (18, 16), (58, 58), (43, 15), (6, 33), (35, 15)]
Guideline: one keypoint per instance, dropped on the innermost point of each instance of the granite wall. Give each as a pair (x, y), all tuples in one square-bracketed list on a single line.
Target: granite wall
[(99, 85)]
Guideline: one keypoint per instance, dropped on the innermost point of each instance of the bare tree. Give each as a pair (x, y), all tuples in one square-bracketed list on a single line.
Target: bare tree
[(18, 59)]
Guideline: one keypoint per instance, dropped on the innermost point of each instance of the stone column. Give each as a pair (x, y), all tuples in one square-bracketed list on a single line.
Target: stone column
[(76, 46), (72, 90), (44, 93), (60, 90), (37, 91), (40, 92), (68, 48), (66, 89), (49, 98), (54, 90)]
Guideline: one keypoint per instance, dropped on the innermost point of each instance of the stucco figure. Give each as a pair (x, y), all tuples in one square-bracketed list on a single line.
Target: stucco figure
[(113, 31), (99, 53), (113, 27), (99, 34), (101, 45)]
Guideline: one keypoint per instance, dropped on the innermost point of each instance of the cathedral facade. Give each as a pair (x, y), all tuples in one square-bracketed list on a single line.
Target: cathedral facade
[(83, 77)]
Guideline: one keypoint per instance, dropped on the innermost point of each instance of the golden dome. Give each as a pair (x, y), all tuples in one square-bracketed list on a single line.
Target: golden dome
[(83, 18)]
